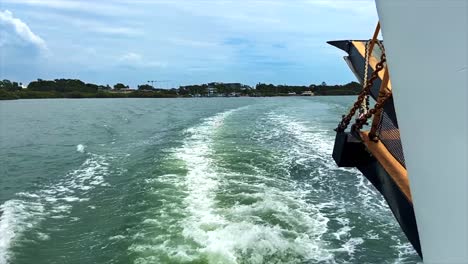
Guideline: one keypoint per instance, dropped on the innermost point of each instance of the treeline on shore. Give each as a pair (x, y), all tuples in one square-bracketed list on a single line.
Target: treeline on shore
[(72, 88), (352, 88)]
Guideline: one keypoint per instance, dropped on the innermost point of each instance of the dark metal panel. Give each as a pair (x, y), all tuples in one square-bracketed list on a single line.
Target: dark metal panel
[(358, 62), (349, 152)]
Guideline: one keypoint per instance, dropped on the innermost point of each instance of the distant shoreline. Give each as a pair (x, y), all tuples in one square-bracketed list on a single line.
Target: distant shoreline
[(174, 97), (74, 89)]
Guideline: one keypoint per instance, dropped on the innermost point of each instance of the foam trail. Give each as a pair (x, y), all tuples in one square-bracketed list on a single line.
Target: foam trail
[(54, 201), (316, 145), (201, 179), (13, 220), (212, 212), (187, 197), (234, 235)]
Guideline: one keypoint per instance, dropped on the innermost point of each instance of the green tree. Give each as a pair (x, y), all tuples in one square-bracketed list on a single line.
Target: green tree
[(120, 86), (145, 87), (10, 86), (43, 86)]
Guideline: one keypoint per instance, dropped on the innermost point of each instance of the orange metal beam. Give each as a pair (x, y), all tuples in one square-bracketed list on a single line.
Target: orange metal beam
[(396, 171), (374, 38), (378, 115), (361, 48)]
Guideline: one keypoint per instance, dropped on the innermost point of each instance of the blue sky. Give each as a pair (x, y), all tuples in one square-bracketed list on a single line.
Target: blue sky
[(183, 41)]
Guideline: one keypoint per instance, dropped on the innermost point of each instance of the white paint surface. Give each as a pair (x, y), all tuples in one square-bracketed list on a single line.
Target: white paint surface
[(426, 45)]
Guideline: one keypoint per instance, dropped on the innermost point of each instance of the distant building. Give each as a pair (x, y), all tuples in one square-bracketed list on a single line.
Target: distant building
[(212, 91), (124, 90), (307, 93)]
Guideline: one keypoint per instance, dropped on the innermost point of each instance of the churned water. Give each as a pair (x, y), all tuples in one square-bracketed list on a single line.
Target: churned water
[(222, 180)]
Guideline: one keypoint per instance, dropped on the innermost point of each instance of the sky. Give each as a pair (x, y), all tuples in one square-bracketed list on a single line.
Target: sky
[(180, 42)]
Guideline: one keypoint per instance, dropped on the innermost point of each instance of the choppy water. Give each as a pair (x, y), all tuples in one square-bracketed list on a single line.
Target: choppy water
[(239, 180)]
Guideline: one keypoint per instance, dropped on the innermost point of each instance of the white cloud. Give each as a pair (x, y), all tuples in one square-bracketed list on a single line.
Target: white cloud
[(47, 3), (124, 31), (91, 6), (364, 7), (79, 23), (192, 43), (280, 40), (21, 29), (132, 59)]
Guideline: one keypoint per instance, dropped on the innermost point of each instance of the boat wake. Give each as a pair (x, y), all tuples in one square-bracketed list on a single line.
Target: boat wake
[(270, 220), (29, 209), (311, 146), (255, 184), (271, 196)]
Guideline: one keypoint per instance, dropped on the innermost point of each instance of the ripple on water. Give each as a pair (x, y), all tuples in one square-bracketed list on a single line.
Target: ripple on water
[(278, 226), (352, 195), (55, 202), (256, 212)]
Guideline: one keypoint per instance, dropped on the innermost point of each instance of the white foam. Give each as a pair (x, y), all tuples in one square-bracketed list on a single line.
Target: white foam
[(177, 254), (54, 201), (16, 216), (27, 195), (234, 234), (241, 233), (201, 179), (311, 146), (315, 143), (405, 251), (344, 231), (372, 235), (150, 221), (43, 236), (306, 226), (351, 245), (117, 237), (80, 148)]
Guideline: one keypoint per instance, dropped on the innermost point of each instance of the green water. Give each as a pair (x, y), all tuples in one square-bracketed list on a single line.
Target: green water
[(222, 180)]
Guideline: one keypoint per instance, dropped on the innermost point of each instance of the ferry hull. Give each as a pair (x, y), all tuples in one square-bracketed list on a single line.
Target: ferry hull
[(351, 152), (426, 48), (401, 208)]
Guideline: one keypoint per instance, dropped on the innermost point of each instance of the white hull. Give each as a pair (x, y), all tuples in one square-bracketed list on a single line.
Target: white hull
[(426, 47)]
